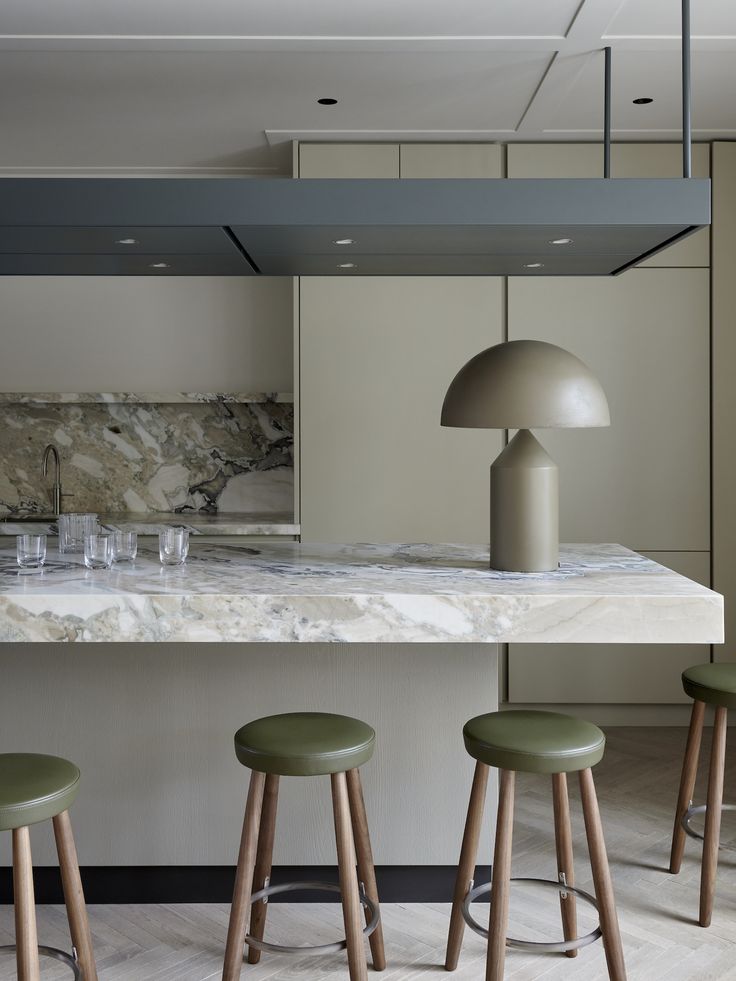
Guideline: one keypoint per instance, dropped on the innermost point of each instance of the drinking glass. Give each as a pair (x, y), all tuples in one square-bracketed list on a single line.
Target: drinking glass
[(74, 529), (124, 546), (173, 545), (30, 551), (98, 551)]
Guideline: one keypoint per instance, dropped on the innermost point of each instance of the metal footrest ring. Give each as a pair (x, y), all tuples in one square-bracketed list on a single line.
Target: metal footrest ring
[(552, 947), (333, 948), (58, 955), (701, 809)]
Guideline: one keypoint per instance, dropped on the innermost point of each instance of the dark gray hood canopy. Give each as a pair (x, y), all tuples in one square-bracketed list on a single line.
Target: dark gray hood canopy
[(283, 227)]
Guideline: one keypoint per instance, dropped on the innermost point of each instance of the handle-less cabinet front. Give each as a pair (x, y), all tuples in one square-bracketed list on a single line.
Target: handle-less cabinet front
[(376, 357)]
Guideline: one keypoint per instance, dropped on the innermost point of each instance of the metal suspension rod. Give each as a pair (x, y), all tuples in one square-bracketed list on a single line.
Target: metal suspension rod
[(687, 136), (607, 115)]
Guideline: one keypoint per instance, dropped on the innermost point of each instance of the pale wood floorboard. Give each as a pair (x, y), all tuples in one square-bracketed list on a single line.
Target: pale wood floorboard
[(637, 787)]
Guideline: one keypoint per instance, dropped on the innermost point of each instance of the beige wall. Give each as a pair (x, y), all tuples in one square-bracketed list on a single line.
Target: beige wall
[(142, 334)]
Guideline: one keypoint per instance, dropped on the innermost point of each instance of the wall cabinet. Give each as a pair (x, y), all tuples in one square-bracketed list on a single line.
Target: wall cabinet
[(644, 482), (376, 357)]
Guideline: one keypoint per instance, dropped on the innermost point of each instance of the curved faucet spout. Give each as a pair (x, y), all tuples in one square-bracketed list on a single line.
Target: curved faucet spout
[(56, 489)]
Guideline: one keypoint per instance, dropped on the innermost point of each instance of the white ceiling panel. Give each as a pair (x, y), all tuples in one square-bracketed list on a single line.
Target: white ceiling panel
[(211, 110), (654, 75), (662, 17), (288, 17)]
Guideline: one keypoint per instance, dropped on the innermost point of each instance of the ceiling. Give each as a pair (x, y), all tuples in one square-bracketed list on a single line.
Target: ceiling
[(221, 88)]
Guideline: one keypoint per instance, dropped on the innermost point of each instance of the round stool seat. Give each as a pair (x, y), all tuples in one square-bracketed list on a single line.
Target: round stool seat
[(714, 684), (304, 744), (534, 742), (34, 788)]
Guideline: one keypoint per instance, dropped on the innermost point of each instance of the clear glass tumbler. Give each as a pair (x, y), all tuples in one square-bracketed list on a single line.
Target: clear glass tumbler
[(74, 529), (98, 551), (124, 546), (30, 551), (173, 545)]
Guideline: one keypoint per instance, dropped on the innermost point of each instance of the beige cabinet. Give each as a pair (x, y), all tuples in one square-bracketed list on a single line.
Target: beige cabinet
[(348, 160), (724, 389), (644, 481), (376, 355), (616, 673), (451, 160), (627, 160)]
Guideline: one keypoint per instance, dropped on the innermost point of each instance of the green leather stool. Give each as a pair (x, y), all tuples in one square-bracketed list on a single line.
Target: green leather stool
[(544, 743), (35, 788), (305, 744), (706, 684)]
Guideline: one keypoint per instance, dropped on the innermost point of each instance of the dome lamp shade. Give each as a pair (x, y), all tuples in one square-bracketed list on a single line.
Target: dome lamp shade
[(525, 385)]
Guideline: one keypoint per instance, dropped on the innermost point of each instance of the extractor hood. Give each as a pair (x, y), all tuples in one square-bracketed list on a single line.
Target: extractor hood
[(341, 227)]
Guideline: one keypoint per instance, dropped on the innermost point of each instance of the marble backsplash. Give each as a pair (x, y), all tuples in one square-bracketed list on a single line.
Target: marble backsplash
[(191, 453)]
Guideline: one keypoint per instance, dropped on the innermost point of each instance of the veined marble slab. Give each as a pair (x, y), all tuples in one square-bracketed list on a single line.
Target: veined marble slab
[(291, 592), (237, 523), (202, 455)]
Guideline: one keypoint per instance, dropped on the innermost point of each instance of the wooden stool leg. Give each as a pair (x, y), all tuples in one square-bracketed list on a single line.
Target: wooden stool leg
[(366, 868), (76, 909), (466, 865), (687, 783), (602, 879), (357, 964), (498, 922), (243, 879), (263, 861), (26, 938), (563, 843), (712, 835)]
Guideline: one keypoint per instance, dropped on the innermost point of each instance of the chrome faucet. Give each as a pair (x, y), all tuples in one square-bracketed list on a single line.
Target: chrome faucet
[(56, 494)]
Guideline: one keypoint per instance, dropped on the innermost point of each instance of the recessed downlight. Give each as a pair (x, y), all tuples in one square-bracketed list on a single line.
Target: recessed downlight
[(347, 265), (327, 102), (560, 241), (158, 265), (644, 101), (533, 265), (127, 241), (343, 241)]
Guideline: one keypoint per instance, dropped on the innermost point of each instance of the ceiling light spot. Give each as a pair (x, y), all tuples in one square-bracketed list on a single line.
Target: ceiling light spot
[(533, 265), (343, 241), (127, 241), (327, 102), (642, 102), (560, 241), (158, 265)]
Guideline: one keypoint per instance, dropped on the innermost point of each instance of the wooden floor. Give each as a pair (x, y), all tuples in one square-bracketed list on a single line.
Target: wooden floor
[(637, 787)]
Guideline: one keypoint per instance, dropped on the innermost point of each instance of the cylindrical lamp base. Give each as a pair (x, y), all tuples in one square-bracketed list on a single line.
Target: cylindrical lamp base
[(524, 508)]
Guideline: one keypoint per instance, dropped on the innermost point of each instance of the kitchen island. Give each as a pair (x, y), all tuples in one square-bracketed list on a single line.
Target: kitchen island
[(405, 637), (287, 592)]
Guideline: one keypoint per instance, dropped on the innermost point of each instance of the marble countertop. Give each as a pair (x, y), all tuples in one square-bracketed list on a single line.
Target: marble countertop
[(289, 592), (225, 523)]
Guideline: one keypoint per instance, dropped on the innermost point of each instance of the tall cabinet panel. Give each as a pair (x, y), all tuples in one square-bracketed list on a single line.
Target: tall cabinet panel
[(724, 389), (376, 357), (645, 481)]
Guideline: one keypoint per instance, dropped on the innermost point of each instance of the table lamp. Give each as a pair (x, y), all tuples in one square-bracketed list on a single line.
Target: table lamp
[(525, 385)]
